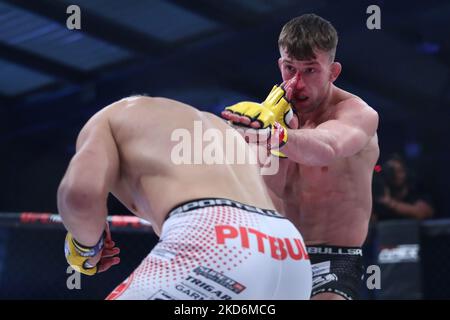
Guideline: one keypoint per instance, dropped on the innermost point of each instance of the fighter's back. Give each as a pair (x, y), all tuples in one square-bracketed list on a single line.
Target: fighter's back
[(213, 219), (164, 159)]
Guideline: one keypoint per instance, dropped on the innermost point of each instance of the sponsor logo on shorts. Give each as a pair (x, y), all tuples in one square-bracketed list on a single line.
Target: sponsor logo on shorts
[(161, 295), (320, 268), (190, 292), (192, 285), (279, 248), (323, 280), (220, 279), (204, 203), (334, 251)]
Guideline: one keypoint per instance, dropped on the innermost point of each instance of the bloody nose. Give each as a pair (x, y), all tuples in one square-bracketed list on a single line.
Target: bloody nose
[(299, 84)]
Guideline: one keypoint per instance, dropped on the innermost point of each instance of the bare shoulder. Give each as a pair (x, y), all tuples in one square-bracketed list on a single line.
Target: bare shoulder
[(97, 128), (353, 106), (108, 111), (138, 104), (99, 123), (133, 106), (128, 103), (354, 111)]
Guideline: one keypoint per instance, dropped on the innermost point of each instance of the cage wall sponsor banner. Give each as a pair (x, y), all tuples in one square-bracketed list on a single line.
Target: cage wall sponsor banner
[(398, 258), (399, 254)]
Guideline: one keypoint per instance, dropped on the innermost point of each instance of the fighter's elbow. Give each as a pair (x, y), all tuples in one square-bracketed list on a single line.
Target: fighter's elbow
[(323, 157), (320, 151), (330, 154), (330, 151), (76, 198)]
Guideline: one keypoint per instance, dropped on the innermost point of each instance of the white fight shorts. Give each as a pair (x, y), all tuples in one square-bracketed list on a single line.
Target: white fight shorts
[(219, 249)]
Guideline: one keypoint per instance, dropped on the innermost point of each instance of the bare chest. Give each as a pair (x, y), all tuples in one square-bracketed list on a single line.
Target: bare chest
[(302, 180)]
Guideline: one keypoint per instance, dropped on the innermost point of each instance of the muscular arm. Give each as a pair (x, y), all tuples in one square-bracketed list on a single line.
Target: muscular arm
[(354, 126), (83, 191)]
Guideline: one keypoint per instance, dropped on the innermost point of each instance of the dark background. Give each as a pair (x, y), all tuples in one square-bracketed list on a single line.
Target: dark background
[(208, 54)]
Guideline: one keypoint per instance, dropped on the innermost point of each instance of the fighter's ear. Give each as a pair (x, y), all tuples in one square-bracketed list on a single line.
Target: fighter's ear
[(336, 69)]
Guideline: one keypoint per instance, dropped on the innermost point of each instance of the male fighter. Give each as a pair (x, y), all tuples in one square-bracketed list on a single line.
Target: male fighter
[(220, 237), (324, 184)]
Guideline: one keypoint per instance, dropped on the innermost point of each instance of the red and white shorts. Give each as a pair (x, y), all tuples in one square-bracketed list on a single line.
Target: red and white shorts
[(221, 249)]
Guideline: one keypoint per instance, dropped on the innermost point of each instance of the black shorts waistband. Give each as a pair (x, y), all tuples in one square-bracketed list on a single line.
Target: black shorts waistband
[(334, 250), (215, 202)]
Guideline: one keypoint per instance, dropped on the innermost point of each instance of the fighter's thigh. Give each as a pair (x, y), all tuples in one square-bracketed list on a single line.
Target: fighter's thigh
[(327, 296)]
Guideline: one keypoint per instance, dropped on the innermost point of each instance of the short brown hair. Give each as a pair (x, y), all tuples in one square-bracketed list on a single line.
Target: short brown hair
[(306, 33)]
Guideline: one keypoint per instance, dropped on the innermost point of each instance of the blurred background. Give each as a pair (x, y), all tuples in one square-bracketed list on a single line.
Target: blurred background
[(211, 53)]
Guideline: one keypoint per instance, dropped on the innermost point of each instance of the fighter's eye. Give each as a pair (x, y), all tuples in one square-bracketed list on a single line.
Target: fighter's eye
[(289, 68), (310, 70)]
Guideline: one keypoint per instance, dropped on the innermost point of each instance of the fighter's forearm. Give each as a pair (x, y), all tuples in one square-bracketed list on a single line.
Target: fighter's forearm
[(83, 212), (313, 147)]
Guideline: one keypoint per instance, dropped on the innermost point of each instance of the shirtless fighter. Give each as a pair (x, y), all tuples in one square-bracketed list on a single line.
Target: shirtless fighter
[(220, 237), (324, 184)]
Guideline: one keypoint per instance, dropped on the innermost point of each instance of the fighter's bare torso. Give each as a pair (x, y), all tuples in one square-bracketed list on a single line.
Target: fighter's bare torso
[(149, 183), (329, 204)]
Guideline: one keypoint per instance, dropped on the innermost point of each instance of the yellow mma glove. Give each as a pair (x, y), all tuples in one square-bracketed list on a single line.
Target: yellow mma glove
[(78, 254), (275, 109)]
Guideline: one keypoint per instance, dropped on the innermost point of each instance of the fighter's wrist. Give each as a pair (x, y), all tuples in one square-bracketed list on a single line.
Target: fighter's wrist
[(89, 251), (279, 135)]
